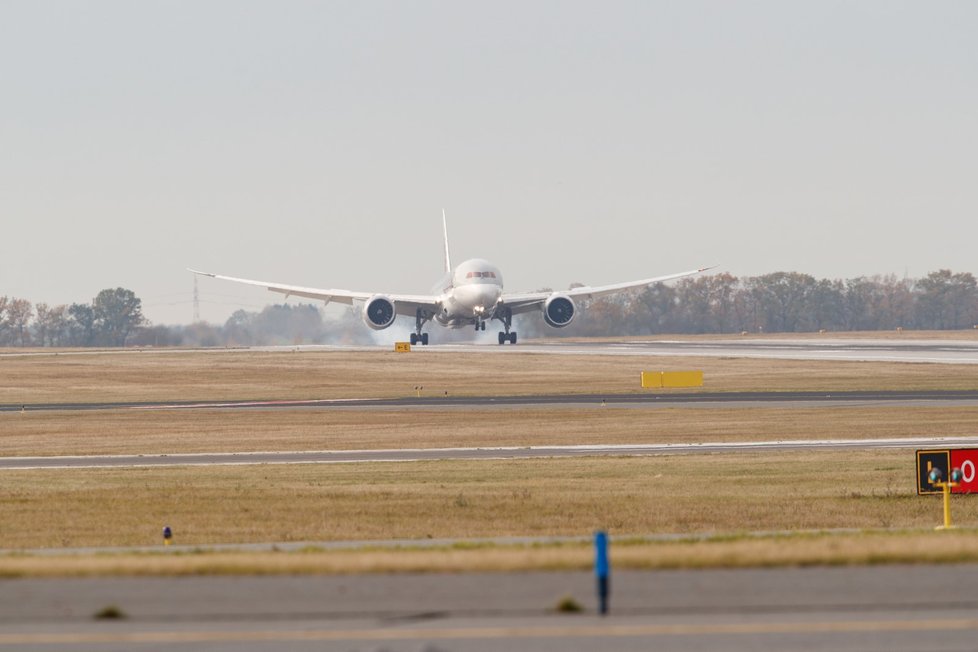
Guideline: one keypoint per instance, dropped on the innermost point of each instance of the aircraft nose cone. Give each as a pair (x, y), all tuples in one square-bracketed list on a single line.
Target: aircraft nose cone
[(480, 298)]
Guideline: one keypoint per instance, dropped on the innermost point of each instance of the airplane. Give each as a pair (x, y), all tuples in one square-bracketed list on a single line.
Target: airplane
[(470, 294)]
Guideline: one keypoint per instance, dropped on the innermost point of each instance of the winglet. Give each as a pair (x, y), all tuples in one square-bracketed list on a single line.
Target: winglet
[(448, 257), (202, 273)]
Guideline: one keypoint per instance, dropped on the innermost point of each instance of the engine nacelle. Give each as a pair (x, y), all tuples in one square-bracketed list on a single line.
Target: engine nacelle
[(558, 311), (378, 312)]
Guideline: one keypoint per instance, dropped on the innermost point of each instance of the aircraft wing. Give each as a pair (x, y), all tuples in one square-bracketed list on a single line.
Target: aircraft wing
[(404, 304), (526, 301)]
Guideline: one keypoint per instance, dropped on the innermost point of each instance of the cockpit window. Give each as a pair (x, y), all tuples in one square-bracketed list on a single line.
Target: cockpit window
[(481, 275)]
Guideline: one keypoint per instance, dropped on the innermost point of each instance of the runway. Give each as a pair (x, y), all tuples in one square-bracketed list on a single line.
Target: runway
[(649, 400), (832, 346), (823, 347), (488, 453), (894, 608)]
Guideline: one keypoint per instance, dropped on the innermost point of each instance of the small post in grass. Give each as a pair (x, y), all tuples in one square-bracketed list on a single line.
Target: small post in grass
[(167, 535), (602, 569)]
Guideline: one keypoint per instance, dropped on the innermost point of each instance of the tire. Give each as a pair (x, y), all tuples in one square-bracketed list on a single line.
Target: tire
[(512, 337), (502, 338), (424, 339), (414, 339)]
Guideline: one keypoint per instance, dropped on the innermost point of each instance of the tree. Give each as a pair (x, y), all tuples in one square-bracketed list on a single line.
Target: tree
[(239, 329), (117, 312), (705, 303), (782, 301), (826, 304), (81, 325), (946, 300), (57, 325), (653, 310), (50, 324), (15, 319)]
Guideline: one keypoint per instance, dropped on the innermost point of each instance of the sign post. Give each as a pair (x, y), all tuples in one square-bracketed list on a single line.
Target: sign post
[(957, 465)]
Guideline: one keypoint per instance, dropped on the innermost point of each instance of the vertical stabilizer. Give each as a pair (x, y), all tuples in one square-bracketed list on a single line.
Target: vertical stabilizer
[(448, 257)]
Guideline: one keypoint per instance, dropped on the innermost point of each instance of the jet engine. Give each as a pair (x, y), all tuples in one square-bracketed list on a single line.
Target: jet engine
[(378, 312), (558, 311)]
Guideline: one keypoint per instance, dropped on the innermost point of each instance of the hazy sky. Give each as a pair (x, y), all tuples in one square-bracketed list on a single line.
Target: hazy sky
[(316, 143)]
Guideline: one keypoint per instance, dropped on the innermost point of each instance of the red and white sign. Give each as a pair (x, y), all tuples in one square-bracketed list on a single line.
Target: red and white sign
[(965, 459)]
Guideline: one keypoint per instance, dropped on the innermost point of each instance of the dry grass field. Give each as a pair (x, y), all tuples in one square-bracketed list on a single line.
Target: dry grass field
[(716, 499), (720, 494), (247, 375), (802, 549), (184, 431)]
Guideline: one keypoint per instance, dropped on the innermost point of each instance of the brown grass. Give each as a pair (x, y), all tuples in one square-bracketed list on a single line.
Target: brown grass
[(449, 499), (714, 493), (147, 432), (805, 549), (220, 375)]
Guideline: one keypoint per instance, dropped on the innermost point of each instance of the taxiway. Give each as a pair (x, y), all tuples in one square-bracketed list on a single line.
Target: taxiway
[(894, 608)]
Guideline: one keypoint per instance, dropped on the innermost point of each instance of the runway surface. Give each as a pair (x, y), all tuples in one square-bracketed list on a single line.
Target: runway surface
[(488, 453), (893, 608), (649, 400), (831, 348), (827, 347)]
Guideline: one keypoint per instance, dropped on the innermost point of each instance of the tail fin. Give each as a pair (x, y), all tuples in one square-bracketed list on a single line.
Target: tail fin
[(448, 257)]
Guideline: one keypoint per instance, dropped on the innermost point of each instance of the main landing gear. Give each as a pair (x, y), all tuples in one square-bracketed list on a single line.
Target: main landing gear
[(506, 336), (420, 319)]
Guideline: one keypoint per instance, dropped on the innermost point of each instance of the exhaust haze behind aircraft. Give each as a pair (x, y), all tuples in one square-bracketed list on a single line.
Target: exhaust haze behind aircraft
[(470, 294)]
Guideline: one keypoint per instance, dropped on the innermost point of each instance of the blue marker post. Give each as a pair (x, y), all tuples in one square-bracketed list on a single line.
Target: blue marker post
[(602, 569)]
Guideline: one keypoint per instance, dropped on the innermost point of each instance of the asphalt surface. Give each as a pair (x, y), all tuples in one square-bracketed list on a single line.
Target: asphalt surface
[(488, 453), (892, 608), (648, 399), (831, 346)]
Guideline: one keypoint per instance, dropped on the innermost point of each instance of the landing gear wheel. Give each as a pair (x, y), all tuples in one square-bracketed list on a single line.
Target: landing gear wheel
[(502, 338), (421, 317), (512, 337)]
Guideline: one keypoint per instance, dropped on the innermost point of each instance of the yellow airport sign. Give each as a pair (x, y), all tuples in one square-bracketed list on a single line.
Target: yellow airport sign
[(402, 347), (658, 379)]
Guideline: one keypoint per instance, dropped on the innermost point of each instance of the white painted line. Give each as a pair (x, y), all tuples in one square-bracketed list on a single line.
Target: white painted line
[(432, 454)]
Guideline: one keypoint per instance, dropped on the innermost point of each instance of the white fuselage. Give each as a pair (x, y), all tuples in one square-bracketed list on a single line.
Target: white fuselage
[(470, 294)]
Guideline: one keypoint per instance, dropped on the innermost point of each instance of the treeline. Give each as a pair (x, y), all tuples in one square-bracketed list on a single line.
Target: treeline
[(782, 302), (114, 319), (109, 320)]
